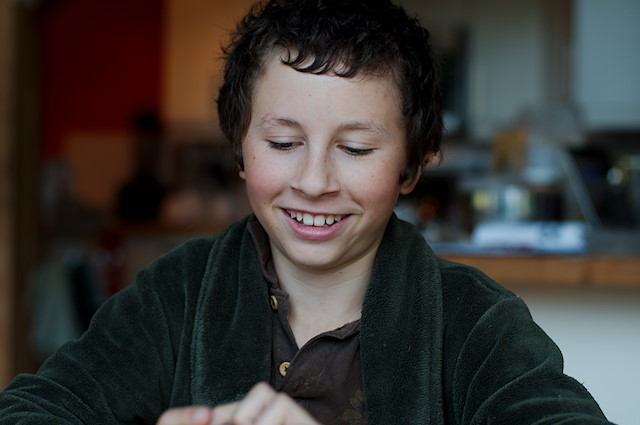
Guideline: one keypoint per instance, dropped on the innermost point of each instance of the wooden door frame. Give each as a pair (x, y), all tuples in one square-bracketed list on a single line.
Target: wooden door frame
[(19, 179)]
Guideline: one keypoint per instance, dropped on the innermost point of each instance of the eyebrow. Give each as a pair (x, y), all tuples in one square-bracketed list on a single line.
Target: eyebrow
[(269, 121), (366, 126)]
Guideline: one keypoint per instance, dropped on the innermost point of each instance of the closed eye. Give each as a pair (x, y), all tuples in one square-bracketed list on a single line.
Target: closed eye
[(357, 151), (282, 146)]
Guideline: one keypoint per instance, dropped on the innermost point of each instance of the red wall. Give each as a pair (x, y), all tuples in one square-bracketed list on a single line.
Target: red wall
[(100, 66)]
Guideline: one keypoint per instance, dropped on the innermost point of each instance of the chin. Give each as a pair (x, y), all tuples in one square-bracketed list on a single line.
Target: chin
[(313, 261)]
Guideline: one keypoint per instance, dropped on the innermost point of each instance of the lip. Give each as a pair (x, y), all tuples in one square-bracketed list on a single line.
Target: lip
[(313, 232)]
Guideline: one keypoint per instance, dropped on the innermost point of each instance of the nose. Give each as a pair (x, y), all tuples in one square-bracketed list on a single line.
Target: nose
[(316, 175)]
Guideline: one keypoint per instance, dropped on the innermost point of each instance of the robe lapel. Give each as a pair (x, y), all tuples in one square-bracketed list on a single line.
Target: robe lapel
[(231, 347), (401, 332)]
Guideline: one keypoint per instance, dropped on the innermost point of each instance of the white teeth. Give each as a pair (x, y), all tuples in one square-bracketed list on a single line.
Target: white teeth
[(319, 220), (307, 220)]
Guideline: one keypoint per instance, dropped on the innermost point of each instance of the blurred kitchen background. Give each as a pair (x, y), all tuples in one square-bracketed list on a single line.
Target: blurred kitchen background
[(111, 155)]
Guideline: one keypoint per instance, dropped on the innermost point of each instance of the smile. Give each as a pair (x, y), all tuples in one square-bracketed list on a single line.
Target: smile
[(318, 220)]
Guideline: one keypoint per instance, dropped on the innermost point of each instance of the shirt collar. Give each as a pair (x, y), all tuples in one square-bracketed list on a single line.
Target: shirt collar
[(261, 241)]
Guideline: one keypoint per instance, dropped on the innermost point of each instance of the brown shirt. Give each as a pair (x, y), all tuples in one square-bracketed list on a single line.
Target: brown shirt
[(325, 375)]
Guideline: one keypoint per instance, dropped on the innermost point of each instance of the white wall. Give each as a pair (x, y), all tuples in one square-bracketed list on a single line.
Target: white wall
[(598, 331), (507, 69), (606, 63), (506, 58)]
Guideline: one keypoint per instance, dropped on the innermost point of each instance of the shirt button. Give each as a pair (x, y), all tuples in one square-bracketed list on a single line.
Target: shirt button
[(284, 366), (274, 302)]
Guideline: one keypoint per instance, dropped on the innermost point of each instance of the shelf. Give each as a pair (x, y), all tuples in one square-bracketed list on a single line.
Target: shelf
[(551, 270)]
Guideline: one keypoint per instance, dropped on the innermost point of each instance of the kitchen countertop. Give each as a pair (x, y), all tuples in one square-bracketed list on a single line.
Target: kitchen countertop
[(556, 270)]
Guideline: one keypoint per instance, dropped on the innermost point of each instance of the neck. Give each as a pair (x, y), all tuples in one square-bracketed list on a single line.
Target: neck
[(320, 301)]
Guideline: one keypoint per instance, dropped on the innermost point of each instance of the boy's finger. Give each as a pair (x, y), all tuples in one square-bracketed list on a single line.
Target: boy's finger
[(193, 415), (254, 403), (283, 410), (223, 414)]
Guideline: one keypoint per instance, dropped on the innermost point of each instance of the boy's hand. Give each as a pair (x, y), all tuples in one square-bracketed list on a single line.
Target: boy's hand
[(261, 406)]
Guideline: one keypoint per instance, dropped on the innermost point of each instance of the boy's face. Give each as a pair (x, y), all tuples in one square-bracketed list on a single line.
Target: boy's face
[(322, 162)]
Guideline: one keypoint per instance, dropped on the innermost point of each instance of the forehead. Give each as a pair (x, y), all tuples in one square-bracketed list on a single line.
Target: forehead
[(282, 86)]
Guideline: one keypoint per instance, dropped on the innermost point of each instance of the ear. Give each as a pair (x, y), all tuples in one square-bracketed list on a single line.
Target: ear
[(242, 175), (407, 186)]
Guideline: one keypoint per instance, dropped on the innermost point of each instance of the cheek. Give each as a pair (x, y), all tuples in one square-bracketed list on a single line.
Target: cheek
[(379, 186), (257, 184), (261, 180)]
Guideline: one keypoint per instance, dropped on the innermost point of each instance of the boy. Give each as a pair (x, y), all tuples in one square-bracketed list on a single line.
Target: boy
[(333, 110)]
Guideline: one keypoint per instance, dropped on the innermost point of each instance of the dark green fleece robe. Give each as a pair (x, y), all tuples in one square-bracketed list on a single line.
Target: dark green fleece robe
[(441, 344)]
